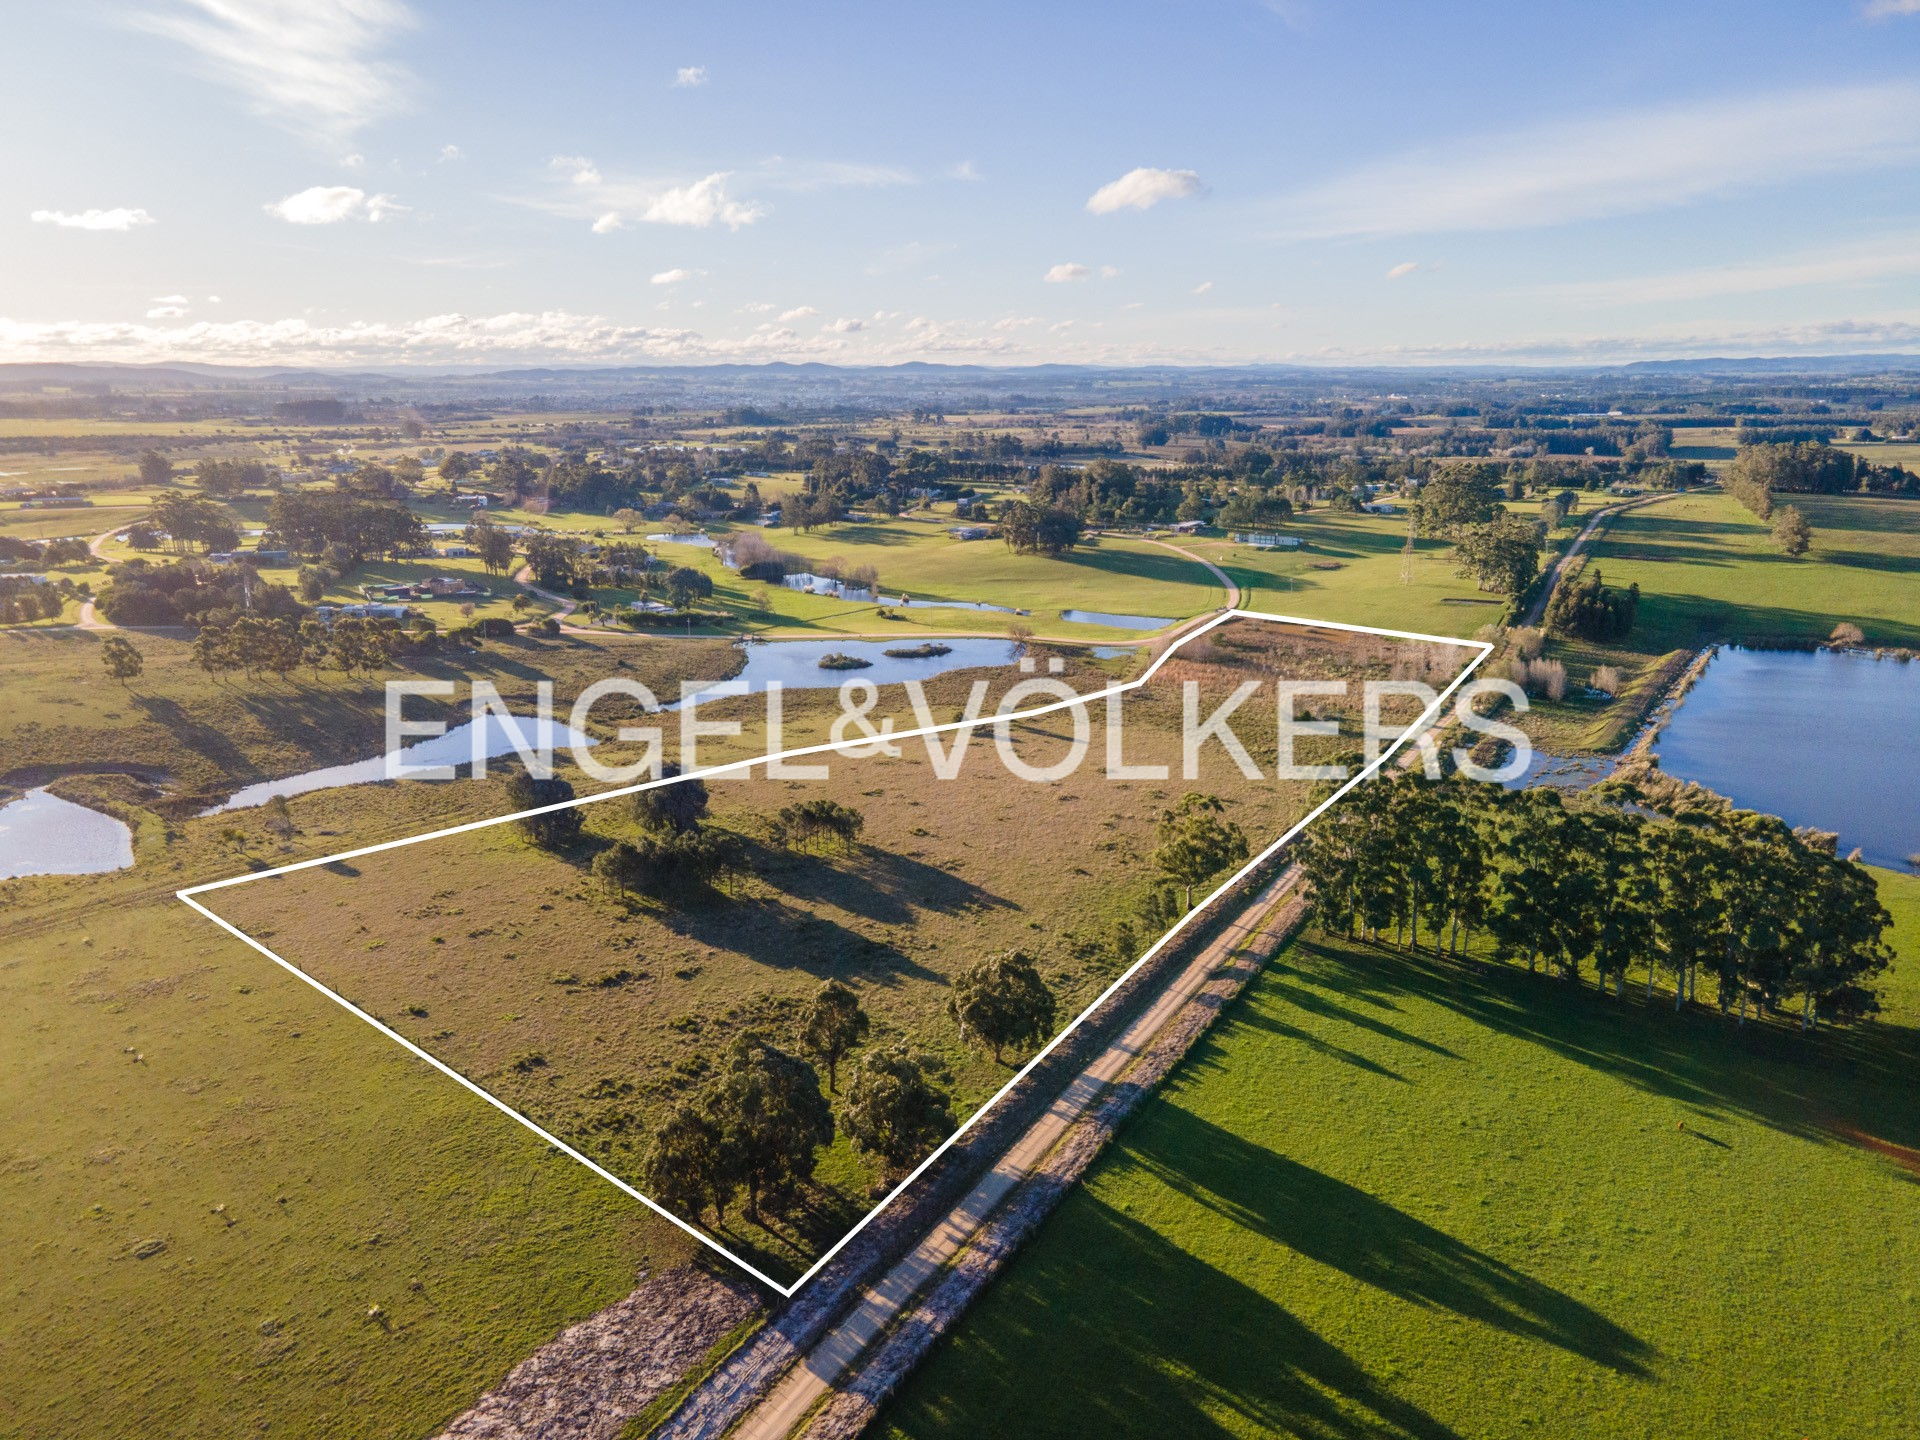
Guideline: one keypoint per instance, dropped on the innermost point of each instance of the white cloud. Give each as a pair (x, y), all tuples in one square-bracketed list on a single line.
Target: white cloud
[(213, 299), (314, 66), (756, 307), (1142, 189), (1616, 164), (451, 152), (355, 161), (1887, 257), (118, 218), (687, 76), (577, 168), (672, 277), (701, 204), (169, 300), (780, 173), (1403, 269), (845, 325), (166, 312), (799, 312), (1067, 272), (1107, 272), (965, 170), (608, 223), (1015, 322), (1203, 287), (1886, 9), (330, 204), (517, 337)]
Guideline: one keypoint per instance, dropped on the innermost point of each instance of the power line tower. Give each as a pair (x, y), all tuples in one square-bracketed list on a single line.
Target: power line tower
[(1406, 553)]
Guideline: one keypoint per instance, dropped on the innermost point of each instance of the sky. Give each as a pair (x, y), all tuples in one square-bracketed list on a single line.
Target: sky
[(375, 183)]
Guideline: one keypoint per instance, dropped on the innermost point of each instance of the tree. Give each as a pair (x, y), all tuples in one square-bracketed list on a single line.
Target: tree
[(1586, 607), (121, 658), (1196, 844), (1002, 1002), (687, 1166), (771, 1118), (1791, 532), (685, 585), (679, 807), (1031, 529), (893, 1110), (1458, 494), (554, 830), (833, 1025), (156, 471), (628, 519), (1503, 554)]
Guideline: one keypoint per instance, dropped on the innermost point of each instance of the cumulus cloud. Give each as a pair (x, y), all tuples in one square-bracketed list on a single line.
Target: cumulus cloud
[(688, 76), (330, 204), (799, 312), (845, 325), (701, 204), (1617, 164), (1403, 269), (1142, 189), (119, 218), (1203, 287), (1067, 272), (451, 152), (313, 66), (608, 223), (673, 276)]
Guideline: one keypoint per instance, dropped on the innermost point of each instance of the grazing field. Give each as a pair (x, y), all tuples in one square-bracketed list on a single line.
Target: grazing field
[(594, 1011), (919, 559), (1385, 1180), (1709, 570)]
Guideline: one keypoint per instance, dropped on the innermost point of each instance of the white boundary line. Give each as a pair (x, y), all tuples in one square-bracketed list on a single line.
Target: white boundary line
[(1418, 727)]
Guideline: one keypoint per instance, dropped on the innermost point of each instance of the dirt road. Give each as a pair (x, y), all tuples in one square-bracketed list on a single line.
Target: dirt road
[(839, 1353)]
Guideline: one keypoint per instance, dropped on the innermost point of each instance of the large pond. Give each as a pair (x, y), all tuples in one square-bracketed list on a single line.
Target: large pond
[(41, 834), (796, 663), (1119, 622), (1818, 737), (461, 745)]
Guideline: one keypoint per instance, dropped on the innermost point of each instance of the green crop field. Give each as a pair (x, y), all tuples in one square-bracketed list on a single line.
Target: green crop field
[(1385, 1181)]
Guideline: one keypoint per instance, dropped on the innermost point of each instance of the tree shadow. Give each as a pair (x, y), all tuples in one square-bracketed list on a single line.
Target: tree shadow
[(873, 884), (770, 932), (1827, 1085), (1108, 1328), (1360, 1235)]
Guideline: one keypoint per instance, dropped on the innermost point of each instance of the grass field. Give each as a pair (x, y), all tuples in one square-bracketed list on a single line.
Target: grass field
[(1707, 569), (488, 952), (1392, 1197)]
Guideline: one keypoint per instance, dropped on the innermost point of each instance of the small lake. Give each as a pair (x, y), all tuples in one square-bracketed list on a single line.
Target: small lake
[(41, 834), (706, 540), (461, 745), (1818, 737), (795, 664), (1119, 622)]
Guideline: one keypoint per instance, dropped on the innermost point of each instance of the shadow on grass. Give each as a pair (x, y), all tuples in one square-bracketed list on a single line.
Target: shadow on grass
[(1826, 1085), (1108, 1328), (1361, 1236)]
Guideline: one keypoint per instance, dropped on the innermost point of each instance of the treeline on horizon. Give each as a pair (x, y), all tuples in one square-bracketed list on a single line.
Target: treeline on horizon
[(1650, 875)]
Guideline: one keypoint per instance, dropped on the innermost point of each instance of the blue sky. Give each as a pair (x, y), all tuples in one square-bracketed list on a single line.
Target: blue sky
[(371, 182)]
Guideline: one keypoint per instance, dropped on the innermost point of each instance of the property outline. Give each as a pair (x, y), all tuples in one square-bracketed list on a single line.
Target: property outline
[(1417, 728)]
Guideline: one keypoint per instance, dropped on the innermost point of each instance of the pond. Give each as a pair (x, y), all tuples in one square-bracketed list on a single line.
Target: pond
[(461, 745), (1818, 737), (796, 663), (41, 834), (1119, 622), (706, 540)]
